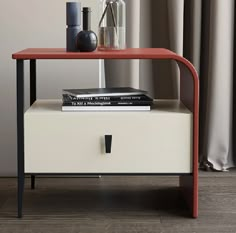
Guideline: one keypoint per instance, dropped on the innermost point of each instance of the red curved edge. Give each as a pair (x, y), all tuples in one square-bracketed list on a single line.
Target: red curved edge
[(190, 184)]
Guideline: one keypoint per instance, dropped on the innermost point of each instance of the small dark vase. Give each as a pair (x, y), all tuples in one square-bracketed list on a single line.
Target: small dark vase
[(86, 40)]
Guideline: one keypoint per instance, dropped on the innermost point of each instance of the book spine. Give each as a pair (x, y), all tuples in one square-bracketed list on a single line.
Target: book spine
[(107, 103), (68, 98)]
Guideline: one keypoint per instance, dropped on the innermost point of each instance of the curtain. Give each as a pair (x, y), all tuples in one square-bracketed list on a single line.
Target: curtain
[(216, 76), (203, 32)]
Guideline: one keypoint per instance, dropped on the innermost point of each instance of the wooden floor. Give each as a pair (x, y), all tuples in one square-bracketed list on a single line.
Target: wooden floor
[(119, 205)]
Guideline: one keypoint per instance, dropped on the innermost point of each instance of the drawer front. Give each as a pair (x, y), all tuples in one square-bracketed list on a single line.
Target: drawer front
[(76, 144)]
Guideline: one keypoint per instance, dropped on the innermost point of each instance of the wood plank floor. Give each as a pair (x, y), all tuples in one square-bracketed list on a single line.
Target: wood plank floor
[(119, 205)]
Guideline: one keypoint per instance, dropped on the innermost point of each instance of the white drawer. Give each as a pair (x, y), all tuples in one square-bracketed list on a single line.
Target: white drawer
[(142, 142)]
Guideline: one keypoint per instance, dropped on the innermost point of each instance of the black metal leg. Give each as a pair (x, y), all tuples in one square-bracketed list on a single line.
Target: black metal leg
[(32, 181), (20, 132), (33, 96), (32, 81)]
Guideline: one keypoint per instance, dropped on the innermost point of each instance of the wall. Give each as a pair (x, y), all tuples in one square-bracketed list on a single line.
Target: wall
[(31, 23)]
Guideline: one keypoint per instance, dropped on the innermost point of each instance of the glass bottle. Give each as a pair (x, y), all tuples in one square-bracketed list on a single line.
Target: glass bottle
[(112, 25)]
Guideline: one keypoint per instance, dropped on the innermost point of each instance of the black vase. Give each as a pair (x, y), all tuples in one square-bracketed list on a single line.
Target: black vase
[(86, 40), (73, 22)]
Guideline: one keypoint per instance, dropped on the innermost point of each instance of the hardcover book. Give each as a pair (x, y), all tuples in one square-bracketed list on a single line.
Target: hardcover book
[(95, 92), (70, 98), (108, 103)]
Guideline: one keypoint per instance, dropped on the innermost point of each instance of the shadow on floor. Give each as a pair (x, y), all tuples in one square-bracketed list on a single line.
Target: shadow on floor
[(100, 201)]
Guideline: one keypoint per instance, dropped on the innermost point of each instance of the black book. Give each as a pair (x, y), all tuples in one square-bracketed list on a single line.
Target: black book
[(95, 92), (69, 98), (108, 103)]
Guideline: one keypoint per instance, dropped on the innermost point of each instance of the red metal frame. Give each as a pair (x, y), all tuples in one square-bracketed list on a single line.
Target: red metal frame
[(189, 94)]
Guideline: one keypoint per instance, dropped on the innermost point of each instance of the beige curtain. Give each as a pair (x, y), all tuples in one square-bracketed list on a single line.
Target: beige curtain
[(216, 76), (203, 32)]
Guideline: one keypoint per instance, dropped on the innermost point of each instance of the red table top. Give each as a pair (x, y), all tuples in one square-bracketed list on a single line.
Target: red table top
[(131, 53)]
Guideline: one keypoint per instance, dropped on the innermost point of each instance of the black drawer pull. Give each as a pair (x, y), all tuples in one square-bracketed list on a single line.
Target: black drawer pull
[(108, 141)]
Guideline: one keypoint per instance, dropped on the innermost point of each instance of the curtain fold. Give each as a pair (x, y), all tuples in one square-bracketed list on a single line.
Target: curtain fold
[(218, 78), (233, 161), (203, 32), (162, 79), (176, 28), (193, 31)]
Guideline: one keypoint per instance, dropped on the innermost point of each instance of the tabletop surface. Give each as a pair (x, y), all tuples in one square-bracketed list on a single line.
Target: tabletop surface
[(61, 53)]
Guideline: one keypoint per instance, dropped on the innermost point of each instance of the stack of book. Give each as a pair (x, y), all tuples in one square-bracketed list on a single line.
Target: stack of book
[(106, 99)]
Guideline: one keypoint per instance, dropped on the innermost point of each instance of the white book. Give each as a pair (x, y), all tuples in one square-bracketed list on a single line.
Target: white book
[(104, 108)]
